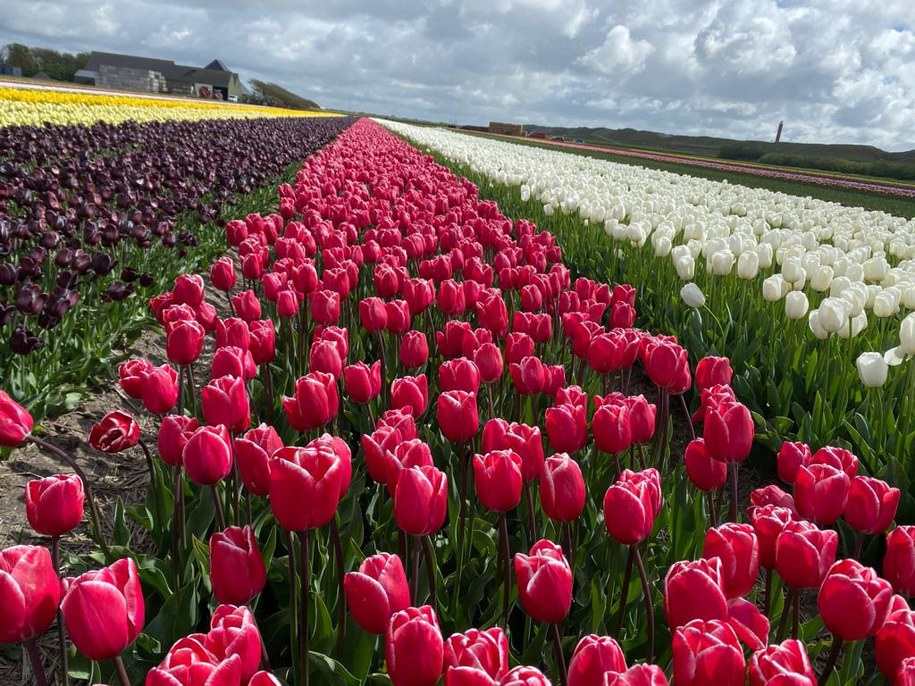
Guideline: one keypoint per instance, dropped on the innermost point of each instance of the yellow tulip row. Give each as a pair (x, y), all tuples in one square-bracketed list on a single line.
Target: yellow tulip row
[(21, 107)]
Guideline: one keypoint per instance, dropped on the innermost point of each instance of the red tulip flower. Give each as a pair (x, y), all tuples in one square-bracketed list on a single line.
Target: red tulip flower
[(410, 393), (459, 374), (839, 458), (233, 361), (54, 505), (821, 493), (225, 401), (737, 547), (562, 488), (174, 433), (707, 652), (188, 289), (639, 675), (665, 363), (457, 415), (421, 500), (804, 553), (247, 306), (705, 472), (641, 418), (29, 592), (481, 650), (160, 389), (595, 659), (544, 582), (853, 601), (488, 359), (518, 346), (871, 505), (130, 375), (497, 476), (325, 306), (713, 371), (728, 431), (222, 273), (791, 457), (414, 649), (694, 590), (253, 451), (189, 662), (899, 561), (104, 609), (237, 571), (184, 341), (377, 591), (768, 522), (314, 403), (372, 314), (786, 663), (15, 421), (895, 639), (398, 313), (233, 331), (118, 431), (567, 428), (234, 634), (207, 455), (309, 475), (631, 506), (414, 349), (362, 382), (611, 424), (523, 439)]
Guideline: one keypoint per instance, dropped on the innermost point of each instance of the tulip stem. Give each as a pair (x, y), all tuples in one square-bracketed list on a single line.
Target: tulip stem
[(220, 515), (90, 496), (624, 592), (506, 569), (859, 545), (61, 632), (414, 592), (786, 613), (767, 593), (797, 616), (306, 583), (560, 659), (150, 465), (385, 391), (649, 607), (732, 515), (341, 563), (429, 554), (831, 660), (293, 614), (529, 505), (570, 545), (178, 524), (689, 419), (122, 671), (31, 648), (712, 508)]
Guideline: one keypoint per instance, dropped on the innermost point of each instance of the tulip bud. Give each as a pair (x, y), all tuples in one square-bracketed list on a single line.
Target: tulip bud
[(707, 652), (372, 314), (899, 562), (15, 422), (104, 610), (566, 427), (694, 590), (544, 582), (29, 592), (737, 547), (562, 488), (821, 493), (184, 341), (222, 274), (796, 305), (377, 591), (307, 474), (225, 401), (207, 455), (314, 403), (729, 431), (872, 369), (692, 295), (54, 505), (706, 473), (457, 415), (785, 663), (131, 375), (421, 500), (160, 389), (497, 476), (791, 457), (237, 571), (871, 505), (804, 553), (414, 649), (631, 506), (595, 658), (853, 601), (414, 350), (410, 393), (611, 425), (362, 382), (459, 374)]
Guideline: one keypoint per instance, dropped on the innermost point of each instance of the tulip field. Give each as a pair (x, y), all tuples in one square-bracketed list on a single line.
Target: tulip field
[(397, 433)]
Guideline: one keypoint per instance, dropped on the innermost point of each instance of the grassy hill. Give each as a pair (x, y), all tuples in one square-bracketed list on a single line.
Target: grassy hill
[(865, 160)]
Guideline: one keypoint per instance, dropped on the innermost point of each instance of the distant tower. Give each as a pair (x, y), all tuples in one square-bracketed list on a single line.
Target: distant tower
[(778, 131)]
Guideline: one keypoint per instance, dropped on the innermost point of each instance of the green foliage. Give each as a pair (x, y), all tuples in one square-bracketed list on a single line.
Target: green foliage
[(60, 66)]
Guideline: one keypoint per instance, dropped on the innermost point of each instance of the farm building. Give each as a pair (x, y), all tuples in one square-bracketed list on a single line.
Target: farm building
[(506, 129), (129, 72)]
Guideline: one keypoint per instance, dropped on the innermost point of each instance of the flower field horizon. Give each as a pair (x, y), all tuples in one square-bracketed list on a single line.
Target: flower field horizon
[(519, 420)]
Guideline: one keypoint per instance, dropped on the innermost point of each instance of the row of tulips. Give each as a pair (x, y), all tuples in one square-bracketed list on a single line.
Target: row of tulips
[(82, 224), (835, 283), (402, 489)]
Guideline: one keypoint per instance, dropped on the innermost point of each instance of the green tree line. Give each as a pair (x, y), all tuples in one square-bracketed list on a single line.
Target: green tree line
[(58, 65)]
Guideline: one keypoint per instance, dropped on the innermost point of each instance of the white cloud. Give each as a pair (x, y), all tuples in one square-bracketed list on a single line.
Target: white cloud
[(619, 55)]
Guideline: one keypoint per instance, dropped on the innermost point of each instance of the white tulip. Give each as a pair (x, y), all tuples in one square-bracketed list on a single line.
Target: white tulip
[(662, 246), (766, 254), (796, 305), (548, 210), (748, 265), (721, 262), (813, 321), (774, 288), (858, 323), (907, 334), (686, 268), (692, 295), (895, 356), (855, 272), (885, 304), (875, 269), (872, 369), (833, 314), (821, 278), (792, 270)]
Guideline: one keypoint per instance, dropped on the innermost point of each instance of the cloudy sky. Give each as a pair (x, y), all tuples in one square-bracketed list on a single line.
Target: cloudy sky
[(834, 70)]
